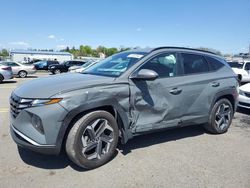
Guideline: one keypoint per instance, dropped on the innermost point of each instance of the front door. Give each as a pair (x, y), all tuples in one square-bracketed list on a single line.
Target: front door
[(157, 104)]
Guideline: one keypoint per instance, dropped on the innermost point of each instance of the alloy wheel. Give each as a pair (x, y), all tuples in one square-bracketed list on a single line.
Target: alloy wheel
[(57, 71), (223, 116), (96, 139), (22, 74)]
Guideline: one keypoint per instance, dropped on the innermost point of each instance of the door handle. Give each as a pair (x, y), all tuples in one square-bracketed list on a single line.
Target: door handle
[(215, 84), (175, 91)]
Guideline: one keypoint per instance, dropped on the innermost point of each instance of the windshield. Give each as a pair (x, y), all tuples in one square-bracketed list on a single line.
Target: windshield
[(236, 65), (87, 64), (115, 65)]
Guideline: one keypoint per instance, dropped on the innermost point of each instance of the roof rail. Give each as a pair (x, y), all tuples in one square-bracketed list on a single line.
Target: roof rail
[(182, 48)]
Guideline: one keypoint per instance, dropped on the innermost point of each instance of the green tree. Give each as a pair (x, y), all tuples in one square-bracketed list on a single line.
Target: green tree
[(111, 51), (4, 53)]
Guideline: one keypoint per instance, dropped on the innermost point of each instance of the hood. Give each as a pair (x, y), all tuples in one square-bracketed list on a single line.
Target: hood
[(245, 87), (51, 85)]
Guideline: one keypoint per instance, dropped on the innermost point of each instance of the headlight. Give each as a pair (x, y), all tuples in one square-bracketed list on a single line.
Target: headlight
[(52, 67), (41, 102), (241, 92)]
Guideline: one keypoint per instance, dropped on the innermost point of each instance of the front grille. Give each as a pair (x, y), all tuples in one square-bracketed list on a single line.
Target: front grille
[(17, 104)]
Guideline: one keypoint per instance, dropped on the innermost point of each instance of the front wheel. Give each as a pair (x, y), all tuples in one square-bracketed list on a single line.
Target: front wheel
[(57, 71), (92, 140), (220, 117)]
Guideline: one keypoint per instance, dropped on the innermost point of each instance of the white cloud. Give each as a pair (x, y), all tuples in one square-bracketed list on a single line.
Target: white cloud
[(138, 29), (51, 36), (20, 44), (61, 39), (61, 46)]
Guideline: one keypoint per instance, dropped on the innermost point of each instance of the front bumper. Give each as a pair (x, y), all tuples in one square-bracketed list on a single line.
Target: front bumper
[(25, 142), (244, 102), (36, 128)]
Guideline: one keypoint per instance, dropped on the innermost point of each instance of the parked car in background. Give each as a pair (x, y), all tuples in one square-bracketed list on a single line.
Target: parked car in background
[(128, 94), (244, 96), (80, 69), (31, 62), (64, 67), (5, 73), (20, 69), (242, 69), (44, 65)]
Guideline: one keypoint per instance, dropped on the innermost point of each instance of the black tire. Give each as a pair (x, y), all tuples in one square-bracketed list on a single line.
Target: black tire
[(57, 71), (1, 78), (22, 74), (216, 116), (80, 131)]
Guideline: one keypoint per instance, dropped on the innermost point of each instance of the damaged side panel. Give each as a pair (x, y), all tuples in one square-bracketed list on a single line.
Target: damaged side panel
[(115, 95), (155, 106)]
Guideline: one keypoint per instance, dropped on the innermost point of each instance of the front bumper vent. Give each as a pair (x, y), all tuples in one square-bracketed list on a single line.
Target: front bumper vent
[(17, 104)]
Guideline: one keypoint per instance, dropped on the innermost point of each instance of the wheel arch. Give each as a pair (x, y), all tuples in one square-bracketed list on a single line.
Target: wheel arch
[(229, 94), (22, 71), (115, 109)]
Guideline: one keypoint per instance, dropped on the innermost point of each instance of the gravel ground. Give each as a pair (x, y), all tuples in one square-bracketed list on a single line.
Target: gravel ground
[(185, 157)]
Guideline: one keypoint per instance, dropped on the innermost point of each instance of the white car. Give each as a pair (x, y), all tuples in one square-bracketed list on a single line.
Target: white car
[(242, 69), (244, 96), (83, 67), (5, 73), (20, 69)]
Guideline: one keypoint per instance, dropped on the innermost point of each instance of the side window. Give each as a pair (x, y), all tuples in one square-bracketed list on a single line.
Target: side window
[(165, 65), (194, 64), (13, 64), (247, 66), (70, 63), (214, 63)]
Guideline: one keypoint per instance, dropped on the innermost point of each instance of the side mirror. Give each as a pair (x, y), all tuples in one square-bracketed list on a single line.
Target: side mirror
[(145, 74)]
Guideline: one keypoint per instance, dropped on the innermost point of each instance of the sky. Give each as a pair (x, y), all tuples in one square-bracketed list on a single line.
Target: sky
[(223, 25)]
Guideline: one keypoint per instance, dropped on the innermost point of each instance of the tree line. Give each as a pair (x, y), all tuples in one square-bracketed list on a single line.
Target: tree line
[(86, 50)]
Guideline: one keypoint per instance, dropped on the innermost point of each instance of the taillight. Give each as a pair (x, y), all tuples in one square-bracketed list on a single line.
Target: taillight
[(34, 68), (7, 68)]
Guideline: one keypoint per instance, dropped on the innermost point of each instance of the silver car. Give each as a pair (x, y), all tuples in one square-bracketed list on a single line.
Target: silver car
[(5, 73), (20, 69)]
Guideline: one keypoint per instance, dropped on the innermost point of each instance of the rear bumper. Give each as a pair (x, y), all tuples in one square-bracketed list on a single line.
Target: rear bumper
[(32, 71), (25, 142)]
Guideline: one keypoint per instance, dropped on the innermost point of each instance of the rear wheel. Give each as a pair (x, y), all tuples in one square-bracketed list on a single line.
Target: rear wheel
[(92, 140), (22, 74), (220, 117)]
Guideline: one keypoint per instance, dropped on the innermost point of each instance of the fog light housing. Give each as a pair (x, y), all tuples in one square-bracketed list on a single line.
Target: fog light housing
[(37, 123)]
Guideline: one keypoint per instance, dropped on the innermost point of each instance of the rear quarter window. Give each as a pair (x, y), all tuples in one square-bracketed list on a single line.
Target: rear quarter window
[(214, 63)]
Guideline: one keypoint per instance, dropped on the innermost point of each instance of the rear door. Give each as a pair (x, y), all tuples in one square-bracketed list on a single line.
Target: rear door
[(199, 86)]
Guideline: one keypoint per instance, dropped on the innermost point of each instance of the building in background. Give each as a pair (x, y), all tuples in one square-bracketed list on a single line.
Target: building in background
[(29, 55)]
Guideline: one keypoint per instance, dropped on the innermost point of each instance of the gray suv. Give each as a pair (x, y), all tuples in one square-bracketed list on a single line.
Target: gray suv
[(127, 94)]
